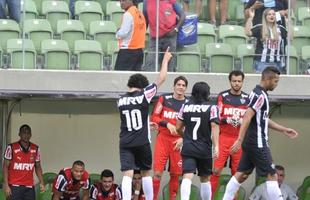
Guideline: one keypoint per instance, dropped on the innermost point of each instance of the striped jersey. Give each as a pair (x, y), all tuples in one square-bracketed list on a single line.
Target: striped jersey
[(257, 133), (269, 51)]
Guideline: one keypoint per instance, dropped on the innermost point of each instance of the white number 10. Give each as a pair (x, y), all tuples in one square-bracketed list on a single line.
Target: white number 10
[(133, 119)]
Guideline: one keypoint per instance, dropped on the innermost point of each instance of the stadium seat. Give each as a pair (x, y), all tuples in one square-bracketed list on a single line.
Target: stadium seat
[(239, 10), (48, 177), (246, 54), (1, 65), (15, 51), (94, 178), (305, 58), (103, 4), (189, 59), (47, 195), (301, 37), (9, 29), (38, 30), (114, 12), (89, 54), (103, 31), (56, 54), (30, 8), (303, 14), (206, 34), (294, 61), (195, 193), (70, 31), (88, 11), (232, 5), (303, 191), (54, 11), (112, 53), (2, 195), (220, 57), (233, 35)]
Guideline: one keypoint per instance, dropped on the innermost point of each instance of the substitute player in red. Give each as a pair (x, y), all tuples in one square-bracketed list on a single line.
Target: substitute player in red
[(165, 115), (232, 105), (69, 181), (21, 159)]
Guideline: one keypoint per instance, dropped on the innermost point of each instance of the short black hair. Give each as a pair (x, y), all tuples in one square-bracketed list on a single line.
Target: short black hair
[(79, 163), (137, 81), (270, 71), (180, 78), (279, 167), (235, 73), (200, 92), (25, 128), (136, 171), (107, 173)]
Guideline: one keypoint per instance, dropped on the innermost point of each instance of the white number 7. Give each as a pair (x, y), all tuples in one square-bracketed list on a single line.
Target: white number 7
[(197, 120)]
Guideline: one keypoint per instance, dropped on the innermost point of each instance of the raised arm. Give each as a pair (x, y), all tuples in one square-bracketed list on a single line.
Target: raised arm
[(163, 71), (291, 133), (249, 23)]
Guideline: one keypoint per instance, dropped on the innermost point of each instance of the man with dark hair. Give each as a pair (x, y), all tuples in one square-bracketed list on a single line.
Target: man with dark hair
[(135, 149), (198, 119), (232, 105), (253, 136), (105, 189), (21, 159), (260, 192), (69, 181), (168, 142)]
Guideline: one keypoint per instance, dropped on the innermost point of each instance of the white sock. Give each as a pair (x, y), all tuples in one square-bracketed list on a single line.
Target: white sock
[(231, 189), (126, 187), (205, 191), (185, 188), (273, 190), (147, 185)]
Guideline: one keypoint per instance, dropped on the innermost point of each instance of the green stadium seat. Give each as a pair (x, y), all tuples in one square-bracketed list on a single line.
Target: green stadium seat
[(301, 37), (206, 34), (259, 180), (303, 14), (112, 53), (220, 57), (15, 51), (48, 177), (9, 29), (233, 35), (2, 194), (94, 178), (88, 11), (70, 31), (305, 58), (1, 65), (232, 5), (246, 53), (54, 11), (303, 191), (30, 8), (293, 61), (239, 10), (89, 54), (103, 4), (103, 31), (47, 195), (115, 12), (38, 30), (189, 59), (195, 193), (56, 54)]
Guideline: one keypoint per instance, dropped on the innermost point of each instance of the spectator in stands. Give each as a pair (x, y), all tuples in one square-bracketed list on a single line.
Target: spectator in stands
[(69, 181), (21, 159), (198, 6), (171, 18), (137, 191), (71, 8), (131, 38), (105, 188), (260, 192), (270, 40), (280, 6), (223, 11), (14, 8)]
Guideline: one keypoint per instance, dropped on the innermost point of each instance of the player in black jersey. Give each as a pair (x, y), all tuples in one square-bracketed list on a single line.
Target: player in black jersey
[(198, 118), (135, 150), (253, 136)]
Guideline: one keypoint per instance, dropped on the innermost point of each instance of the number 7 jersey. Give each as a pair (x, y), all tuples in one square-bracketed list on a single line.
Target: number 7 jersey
[(197, 120), (134, 109)]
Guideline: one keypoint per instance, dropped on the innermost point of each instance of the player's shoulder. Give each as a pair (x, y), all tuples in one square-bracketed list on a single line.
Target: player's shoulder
[(224, 93), (167, 96), (244, 94)]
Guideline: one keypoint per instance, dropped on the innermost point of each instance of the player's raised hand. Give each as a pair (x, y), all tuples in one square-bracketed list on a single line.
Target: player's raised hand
[(167, 55), (236, 146), (178, 144), (291, 133)]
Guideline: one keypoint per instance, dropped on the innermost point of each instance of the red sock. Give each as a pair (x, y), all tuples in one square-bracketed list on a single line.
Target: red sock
[(156, 186), (214, 183), (173, 186)]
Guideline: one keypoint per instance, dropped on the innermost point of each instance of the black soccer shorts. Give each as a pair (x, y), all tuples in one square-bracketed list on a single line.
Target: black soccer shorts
[(203, 166)]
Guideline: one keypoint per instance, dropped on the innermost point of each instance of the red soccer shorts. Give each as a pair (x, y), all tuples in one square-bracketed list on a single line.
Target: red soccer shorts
[(225, 144), (164, 151)]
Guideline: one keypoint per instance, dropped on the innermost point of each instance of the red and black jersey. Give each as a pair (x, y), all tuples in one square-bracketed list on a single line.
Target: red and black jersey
[(70, 187), (97, 192), (233, 106), (166, 111), (22, 163)]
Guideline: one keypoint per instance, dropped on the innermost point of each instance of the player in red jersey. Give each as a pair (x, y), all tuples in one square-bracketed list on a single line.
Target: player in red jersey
[(105, 189), (21, 159), (167, 143), (232, 105), (69, 181)]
